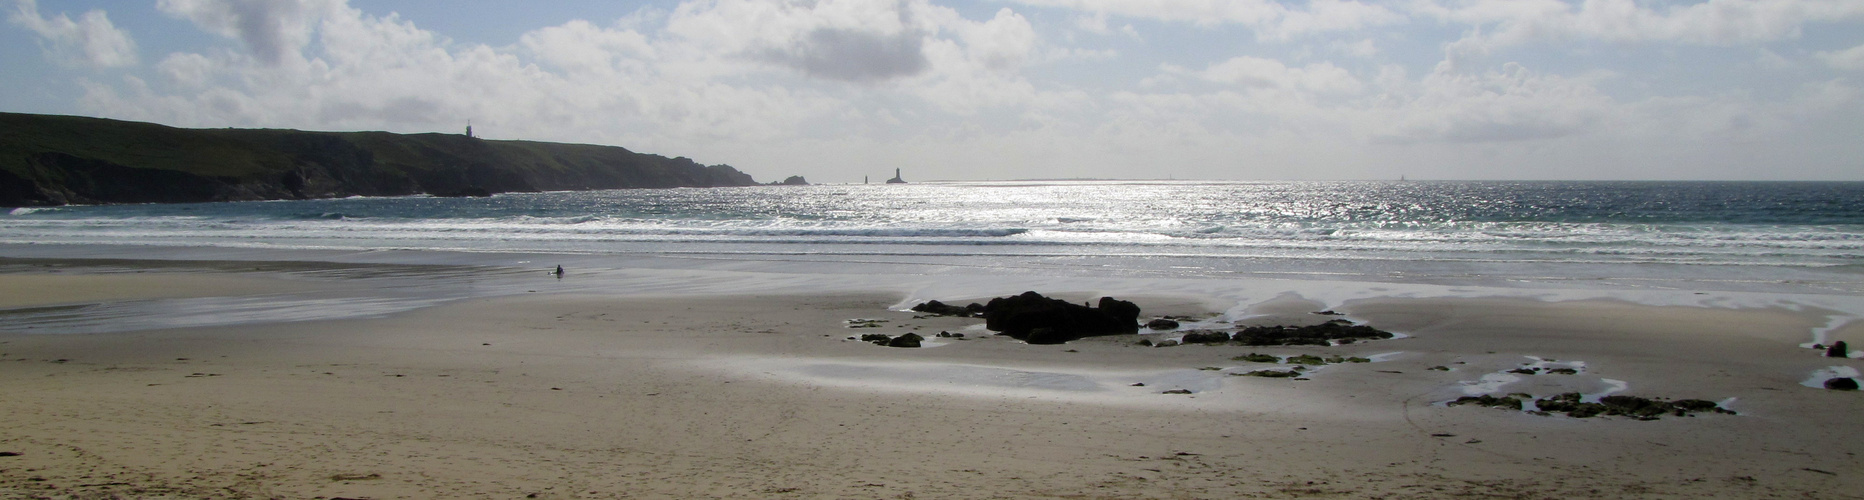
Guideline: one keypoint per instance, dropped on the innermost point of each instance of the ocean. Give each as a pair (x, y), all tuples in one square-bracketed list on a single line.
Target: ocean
[(1722, 244), (1758, 236)]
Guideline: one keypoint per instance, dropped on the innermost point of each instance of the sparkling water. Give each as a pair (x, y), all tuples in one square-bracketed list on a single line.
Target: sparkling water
[(1758, 236)]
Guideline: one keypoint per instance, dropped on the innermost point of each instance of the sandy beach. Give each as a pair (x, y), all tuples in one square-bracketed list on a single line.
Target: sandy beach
[(590, 395)]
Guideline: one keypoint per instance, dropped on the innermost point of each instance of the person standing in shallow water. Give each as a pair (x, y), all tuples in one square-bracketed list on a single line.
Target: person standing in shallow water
[(559, 272)]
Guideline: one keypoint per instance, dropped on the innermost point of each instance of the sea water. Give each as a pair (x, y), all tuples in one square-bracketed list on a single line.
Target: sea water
[(1749, 236)]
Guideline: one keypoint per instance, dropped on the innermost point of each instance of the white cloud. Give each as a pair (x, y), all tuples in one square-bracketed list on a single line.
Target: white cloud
[(92, 40), (272, 30), (1256, 72), (1504, 23), (579, 46), (830, 87), (848, 40), (188, 70), (1851, 59), (1364, 49), (704, 81), (1271, 20), (1513, 104)]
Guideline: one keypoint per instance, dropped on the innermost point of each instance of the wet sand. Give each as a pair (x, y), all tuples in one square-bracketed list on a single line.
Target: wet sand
[(594, 396)]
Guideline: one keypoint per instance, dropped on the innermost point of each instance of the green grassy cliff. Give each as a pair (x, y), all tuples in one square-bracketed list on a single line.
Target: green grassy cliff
[(56, 160)]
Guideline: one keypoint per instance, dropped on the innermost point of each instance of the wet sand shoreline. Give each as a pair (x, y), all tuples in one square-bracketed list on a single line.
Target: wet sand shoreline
[(761, 396)]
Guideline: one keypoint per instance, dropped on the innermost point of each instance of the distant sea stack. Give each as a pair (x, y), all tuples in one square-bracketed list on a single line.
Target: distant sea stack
[(896, 178), (58, 160)]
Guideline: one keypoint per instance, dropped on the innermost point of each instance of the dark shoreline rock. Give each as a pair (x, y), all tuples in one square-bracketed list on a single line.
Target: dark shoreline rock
[(907, 340), (1205, 337), (1841, 384), (1838, 350), (1572, 405), (1339, 330), (1509, 402), (974, 310), (1036, 319)]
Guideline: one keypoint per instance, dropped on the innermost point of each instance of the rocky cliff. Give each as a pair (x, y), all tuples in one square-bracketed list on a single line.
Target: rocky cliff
[(56, 160)]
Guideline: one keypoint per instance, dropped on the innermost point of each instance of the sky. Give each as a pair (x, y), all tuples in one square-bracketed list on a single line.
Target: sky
[(839, 90)]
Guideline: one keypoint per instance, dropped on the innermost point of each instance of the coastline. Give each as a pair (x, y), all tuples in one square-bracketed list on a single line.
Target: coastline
[(675, 388)]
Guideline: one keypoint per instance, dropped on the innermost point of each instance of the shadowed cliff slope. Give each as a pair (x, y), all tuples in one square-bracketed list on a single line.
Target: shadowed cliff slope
[(56, 160)]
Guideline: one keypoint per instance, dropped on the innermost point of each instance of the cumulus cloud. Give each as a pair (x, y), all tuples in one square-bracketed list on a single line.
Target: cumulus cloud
[(91, 41), (1513, 104), (848, 40), (1256, 72), (1504, 23), (714, 73), (579, 46), (1851, 59), (271, 30), (785, 87), (1272, 20)]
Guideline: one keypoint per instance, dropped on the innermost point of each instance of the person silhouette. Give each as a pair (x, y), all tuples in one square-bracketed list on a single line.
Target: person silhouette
[(559, 272)]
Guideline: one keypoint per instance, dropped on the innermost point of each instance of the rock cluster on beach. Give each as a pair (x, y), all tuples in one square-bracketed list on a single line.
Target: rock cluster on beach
[(1572, 404), (975, 310), (1838, 350), (1036, 319), (1338, 331), (906, 340)]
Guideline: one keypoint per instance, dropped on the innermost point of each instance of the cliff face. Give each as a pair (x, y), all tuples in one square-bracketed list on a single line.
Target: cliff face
[(56, 160)]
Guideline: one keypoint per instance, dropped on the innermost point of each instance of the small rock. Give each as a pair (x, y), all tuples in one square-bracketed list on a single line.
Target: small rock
[(1177, 391), (1162, 324), (1205, 337), (1270, 374), (1257, 358), (907, 340), (943, 309), (1842, 384), (1509, 402), (1838, 350)]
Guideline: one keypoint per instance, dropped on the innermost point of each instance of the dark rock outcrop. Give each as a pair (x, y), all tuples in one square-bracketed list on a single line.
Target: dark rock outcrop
[(1509, 402), (1838, 350), (1841, 384), (907, 340), (1162, 324), (943, 309), (1338, 330), (1625, 406), (1057, 320), (794, 180), (1205, 337)]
